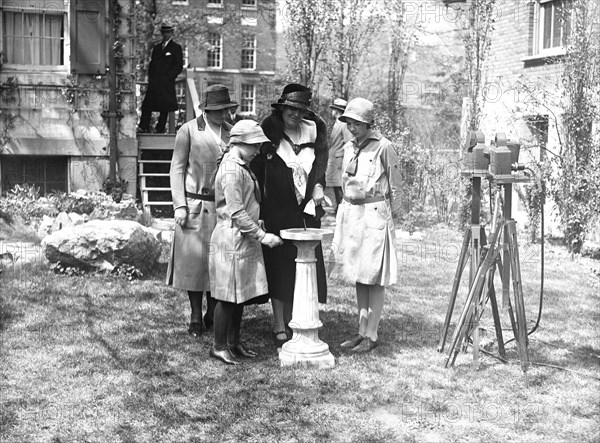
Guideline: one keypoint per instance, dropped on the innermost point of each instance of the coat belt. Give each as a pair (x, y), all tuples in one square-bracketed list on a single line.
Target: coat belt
[(364, 201), (205, 197)]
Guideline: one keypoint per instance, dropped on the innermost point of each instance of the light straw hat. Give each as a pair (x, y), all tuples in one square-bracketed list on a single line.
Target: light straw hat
[(247, 131), (359, 109)]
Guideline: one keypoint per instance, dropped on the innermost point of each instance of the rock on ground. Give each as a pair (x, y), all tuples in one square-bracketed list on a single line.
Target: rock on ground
[(103, 244)]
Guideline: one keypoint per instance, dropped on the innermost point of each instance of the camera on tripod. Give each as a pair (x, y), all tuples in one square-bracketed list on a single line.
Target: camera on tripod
[(498, 162)]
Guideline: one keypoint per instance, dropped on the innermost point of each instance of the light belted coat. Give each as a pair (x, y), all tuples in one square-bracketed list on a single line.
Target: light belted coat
[(193, 169), (364, 239), (237, 267)]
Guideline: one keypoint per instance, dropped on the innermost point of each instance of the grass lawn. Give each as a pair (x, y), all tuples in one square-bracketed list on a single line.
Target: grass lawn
[(101, 359)]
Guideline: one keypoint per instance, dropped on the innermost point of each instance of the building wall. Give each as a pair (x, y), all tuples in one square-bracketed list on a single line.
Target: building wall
[(57, 112), (522, 85)]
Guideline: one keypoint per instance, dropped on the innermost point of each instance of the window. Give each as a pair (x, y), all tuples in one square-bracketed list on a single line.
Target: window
[(34, 35), (249, 52), (249, 4), (554, 25), (215, 3), (248, 100), (215, 50), (49, 174)]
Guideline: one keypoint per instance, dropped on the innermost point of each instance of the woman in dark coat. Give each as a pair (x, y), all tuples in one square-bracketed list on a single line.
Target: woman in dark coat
[(291, 173)]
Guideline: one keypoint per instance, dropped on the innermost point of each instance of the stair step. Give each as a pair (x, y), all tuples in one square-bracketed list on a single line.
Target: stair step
[(143, 188), (158, 203), (156, 148)]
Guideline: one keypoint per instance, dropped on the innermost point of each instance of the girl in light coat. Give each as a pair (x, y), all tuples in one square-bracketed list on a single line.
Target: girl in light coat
[(237, 269), (364, 234)]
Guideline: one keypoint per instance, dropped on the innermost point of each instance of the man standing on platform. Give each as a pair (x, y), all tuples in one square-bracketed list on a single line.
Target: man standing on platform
[(165, 65), (339, 136)]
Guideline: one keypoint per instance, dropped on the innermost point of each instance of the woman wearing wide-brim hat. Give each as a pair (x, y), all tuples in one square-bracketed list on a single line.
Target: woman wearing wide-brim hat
[(291, 173), (198, 145), (364, 234)]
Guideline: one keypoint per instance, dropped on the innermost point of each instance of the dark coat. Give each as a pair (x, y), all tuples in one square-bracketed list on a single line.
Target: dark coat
[(165, 66), (280, 209)]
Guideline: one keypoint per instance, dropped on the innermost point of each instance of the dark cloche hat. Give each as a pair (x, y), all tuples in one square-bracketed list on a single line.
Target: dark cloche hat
[(295, 96), (216, 98), (165, 27)]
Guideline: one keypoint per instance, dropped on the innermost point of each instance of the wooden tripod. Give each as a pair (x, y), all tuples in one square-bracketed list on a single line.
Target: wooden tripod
[(503, 241)]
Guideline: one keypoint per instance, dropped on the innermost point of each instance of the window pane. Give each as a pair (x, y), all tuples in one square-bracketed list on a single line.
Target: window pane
[(247, 99), (214, 51), (33, 38), (248, 52), (557, 23), (547, 12)]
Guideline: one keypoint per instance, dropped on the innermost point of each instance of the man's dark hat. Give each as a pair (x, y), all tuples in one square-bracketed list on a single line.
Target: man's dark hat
[(216, 98), (339, 104), (165, 27), (295, 96)]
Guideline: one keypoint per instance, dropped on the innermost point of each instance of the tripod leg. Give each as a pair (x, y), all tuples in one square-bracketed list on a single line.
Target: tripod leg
[(462, 263), (476, 287), (518, 294)]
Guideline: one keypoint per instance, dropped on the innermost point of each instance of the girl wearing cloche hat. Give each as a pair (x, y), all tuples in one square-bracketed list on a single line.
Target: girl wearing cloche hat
[(291, 173), (237, 269), (364, 233)]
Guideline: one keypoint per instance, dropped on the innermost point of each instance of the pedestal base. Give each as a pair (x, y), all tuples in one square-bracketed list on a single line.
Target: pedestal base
[(307, 351)]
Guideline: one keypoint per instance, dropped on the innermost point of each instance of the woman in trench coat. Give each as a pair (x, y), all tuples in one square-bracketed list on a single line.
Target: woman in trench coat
[(237, 268), (364, 234), (198, 145)]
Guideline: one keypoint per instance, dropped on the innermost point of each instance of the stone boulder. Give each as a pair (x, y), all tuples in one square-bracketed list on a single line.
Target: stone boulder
[(126, 209), (103, 244)]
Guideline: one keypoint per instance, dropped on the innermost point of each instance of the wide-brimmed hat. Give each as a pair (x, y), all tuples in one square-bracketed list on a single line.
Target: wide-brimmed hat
[(295, 96), (247, 131), (216, 98), (359, 109), (165, 27), (339, 104)]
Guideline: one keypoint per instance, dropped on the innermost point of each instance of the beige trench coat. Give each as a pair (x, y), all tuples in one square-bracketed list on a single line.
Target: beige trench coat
[(237, 267), (364, 240), (192, 171)]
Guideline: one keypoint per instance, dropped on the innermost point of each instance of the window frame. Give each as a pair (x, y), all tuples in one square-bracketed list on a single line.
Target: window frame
[(246, 54), (214, 4), (244, 99), (65, 66), (540, 28), (209, 51), (252, 7)]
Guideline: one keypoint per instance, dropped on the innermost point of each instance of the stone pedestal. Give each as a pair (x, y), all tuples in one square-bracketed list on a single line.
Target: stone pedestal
[(305, 349)]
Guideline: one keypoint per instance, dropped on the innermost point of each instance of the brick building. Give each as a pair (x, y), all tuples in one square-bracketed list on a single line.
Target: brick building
[(237, 47)]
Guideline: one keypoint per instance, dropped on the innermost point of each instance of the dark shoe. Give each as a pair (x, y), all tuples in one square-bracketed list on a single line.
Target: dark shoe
[(280, 338), (195, 329), (225, 356), (240, 350), (366, 345), (352, 343), (289, 332)]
